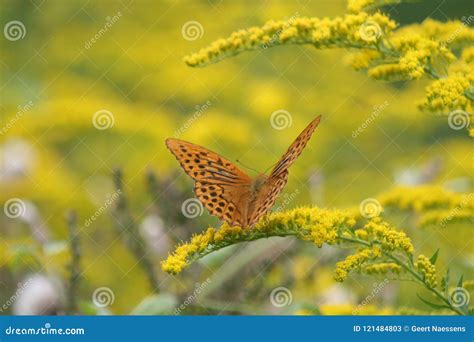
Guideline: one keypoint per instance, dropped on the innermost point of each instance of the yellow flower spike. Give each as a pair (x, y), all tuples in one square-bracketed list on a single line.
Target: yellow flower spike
[(427, 269), (353, 262), (383, 268), (361, 234), (337, 32), (313, 224)]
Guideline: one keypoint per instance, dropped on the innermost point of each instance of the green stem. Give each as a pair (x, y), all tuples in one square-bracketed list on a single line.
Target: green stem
[(410, 270), (133, 240), (74, 266)]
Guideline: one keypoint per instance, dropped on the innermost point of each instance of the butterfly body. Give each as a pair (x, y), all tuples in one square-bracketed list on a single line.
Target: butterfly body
[(228, 192)]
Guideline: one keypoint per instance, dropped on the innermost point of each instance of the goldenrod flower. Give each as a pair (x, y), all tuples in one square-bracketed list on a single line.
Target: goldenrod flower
[(356, 6), (388, 237), (428, 49), (448, 93), (346, 31), (434, 205), (427, 269), (310, 224), (383, 268), (355, 261)]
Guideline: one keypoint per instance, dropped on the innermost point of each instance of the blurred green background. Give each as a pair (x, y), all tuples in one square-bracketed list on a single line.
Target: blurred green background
[(53, 158)]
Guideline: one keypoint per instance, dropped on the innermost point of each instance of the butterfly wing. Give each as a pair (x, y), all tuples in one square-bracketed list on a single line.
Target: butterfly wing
[(278, 177), (221, 186), (295, 149), (267, 197)]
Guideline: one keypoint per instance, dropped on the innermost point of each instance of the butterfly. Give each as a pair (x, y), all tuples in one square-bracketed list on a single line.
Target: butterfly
[(229, 193)]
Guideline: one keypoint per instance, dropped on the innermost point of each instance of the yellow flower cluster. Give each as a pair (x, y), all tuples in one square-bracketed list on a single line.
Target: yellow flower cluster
[(362, 59), (434, 205), (415, 52), (356, 6), (310, 224), (468, 55), (453, 34), (444, 217), (388, 237), (429, 49), (427, 269), (383, 268), (352, 30), (448, 93), (355, 261), (419, 198)]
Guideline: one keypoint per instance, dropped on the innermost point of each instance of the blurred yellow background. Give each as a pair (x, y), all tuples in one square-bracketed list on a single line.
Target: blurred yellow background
[(123, 60)]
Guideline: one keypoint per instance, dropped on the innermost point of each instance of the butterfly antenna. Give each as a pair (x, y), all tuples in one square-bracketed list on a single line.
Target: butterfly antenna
[(246, 166)]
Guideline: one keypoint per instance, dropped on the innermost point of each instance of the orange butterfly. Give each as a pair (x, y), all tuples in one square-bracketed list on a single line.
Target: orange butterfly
[(228, 192)]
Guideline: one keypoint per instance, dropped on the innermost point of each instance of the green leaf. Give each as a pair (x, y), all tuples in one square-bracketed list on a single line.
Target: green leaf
[(434, 257), (433, 305), (460, 280), (160, 304), (446, 283)]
